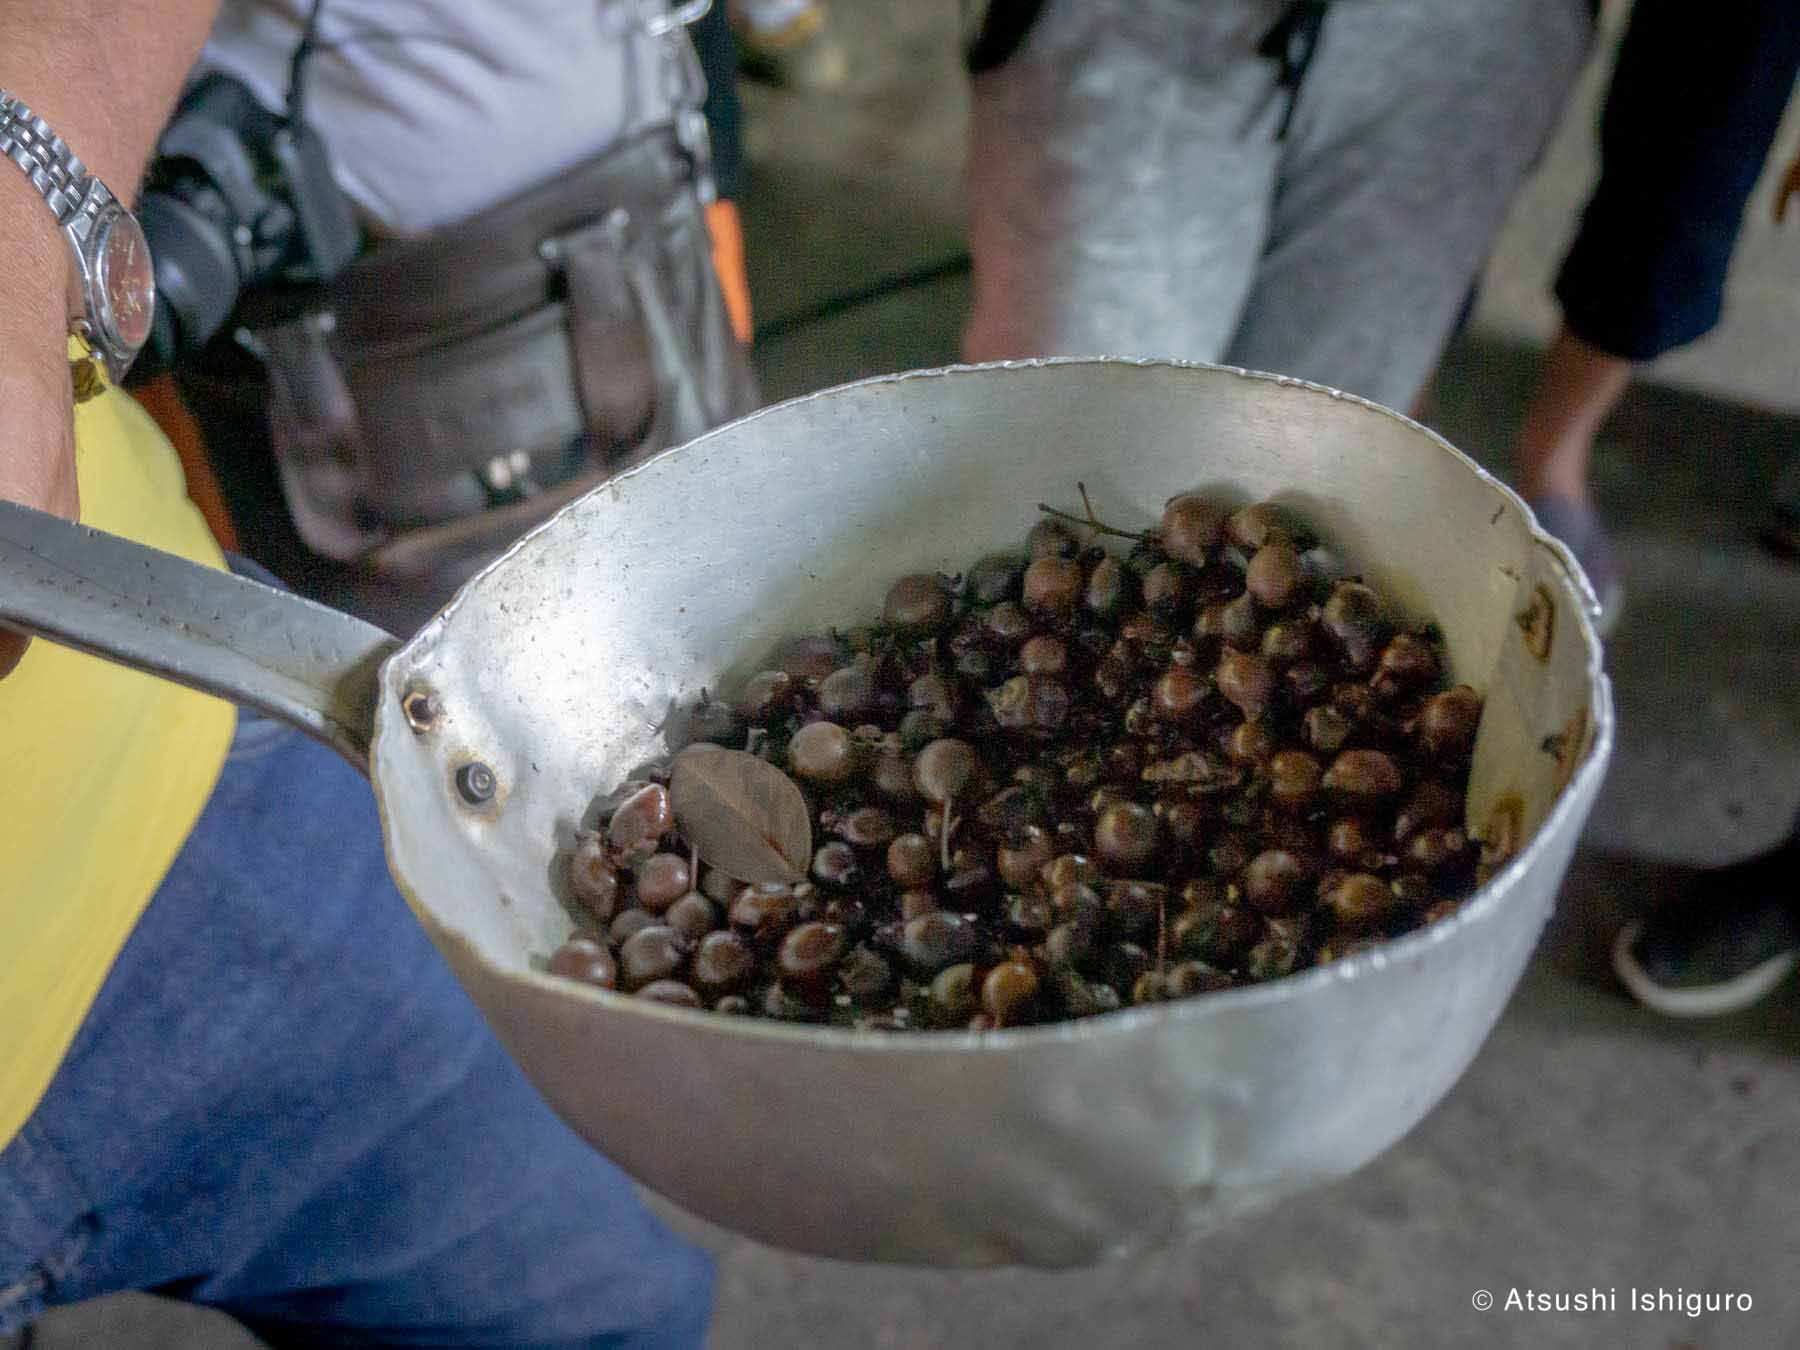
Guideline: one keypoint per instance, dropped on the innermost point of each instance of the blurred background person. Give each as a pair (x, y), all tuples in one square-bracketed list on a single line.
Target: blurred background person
[(1721, 939), (1646, 272), (541, 308), (789, 44), (1288, 185)]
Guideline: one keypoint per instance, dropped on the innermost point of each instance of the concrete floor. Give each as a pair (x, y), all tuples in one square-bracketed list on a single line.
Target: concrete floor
[(1591, 1144)]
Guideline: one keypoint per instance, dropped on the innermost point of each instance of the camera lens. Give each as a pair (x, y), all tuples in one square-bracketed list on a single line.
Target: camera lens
[(196, 278)]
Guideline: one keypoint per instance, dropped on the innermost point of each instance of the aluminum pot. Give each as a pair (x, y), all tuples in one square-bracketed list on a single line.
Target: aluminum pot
[(559, 669)]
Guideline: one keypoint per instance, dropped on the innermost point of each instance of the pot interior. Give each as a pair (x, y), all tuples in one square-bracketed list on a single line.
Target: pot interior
[(564, 666)]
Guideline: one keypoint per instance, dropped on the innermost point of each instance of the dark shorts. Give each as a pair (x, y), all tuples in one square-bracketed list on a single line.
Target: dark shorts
[(1694, 106)]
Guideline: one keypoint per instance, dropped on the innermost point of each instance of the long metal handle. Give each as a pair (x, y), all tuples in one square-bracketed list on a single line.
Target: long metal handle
[(302, 662)]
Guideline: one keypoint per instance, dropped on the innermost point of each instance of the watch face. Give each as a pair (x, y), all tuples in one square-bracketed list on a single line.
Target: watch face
[(127, 282)]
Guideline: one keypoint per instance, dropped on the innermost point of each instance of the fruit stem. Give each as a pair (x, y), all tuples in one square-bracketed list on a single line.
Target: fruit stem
[(1092, 521)]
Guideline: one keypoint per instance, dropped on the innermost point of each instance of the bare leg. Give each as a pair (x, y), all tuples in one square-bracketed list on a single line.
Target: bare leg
[(1577, 390)]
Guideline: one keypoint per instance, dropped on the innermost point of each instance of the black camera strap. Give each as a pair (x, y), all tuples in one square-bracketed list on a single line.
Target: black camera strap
[(303, 50)]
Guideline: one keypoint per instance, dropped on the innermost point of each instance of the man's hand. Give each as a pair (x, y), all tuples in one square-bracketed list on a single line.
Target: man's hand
[(37, 457), (36, 403), (104, 73)]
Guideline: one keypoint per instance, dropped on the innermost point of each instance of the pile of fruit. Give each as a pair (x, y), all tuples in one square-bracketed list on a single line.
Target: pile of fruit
[(1067, 781)]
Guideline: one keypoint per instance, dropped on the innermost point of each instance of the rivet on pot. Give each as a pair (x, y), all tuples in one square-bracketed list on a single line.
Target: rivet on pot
[(475, 783), (420, 710), (1538, 622)]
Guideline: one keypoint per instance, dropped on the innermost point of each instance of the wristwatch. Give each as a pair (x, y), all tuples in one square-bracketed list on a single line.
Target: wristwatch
[(112, 288)]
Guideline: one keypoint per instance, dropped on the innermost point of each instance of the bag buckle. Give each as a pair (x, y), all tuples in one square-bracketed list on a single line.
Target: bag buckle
[(685, 14)]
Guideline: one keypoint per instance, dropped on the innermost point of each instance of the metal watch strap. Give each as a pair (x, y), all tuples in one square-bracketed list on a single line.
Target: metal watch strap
[(54, 169), (75, 197)]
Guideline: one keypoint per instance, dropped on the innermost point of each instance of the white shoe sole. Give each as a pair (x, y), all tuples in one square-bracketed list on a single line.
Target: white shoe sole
[(1715, 1000)]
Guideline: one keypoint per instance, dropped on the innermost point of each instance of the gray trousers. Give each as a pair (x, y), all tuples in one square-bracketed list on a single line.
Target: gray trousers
[(1130, 194)]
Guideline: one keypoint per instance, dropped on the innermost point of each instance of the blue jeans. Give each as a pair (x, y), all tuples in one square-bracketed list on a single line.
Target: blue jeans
[(283, 1105)]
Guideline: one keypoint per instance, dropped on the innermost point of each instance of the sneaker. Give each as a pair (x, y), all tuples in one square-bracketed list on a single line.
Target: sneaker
[(1721, 946), (1577, 524), (798, 51)]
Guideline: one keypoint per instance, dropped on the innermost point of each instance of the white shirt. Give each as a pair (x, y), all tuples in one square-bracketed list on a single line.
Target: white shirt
[(435, 109)]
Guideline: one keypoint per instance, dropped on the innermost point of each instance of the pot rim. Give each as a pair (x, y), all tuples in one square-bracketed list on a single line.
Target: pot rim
[(1407, 948)]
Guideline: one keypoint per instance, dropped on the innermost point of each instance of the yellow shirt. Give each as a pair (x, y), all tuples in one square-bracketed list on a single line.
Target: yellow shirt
[(107, 771)]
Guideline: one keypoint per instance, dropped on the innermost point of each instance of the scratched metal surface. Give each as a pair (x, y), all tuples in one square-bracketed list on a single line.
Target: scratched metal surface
[(560, 665)]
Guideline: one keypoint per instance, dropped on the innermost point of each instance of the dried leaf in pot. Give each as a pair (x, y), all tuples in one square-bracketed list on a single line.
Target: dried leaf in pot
[(742, 814)]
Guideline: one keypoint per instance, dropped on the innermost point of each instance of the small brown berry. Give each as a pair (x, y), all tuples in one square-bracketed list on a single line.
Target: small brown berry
[(917, 603), (585, 960), (1019, 861), (1407, 662), (723, 964), (1326, 729), (1178, 695), (662, 879), (1448, 722), (1294, 778), (593, 880), (650, 954), (1249, 527), (1051, 539), (944, 770), (1273, 879), (1108, 588), (1352, 616), (822, 752), (1250, 743), (1274, 576), (1363, 779), (806, 958), (1053, 586), (1191, 527), (1360, 900), (1044, 655), (641, 819), (673, 992), (1246, 681), (1008, 991), (1125, 836)]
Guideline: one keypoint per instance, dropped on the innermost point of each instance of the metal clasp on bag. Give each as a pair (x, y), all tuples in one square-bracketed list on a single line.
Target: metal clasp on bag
[(687, 13), (685, 89), (694, 137)]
